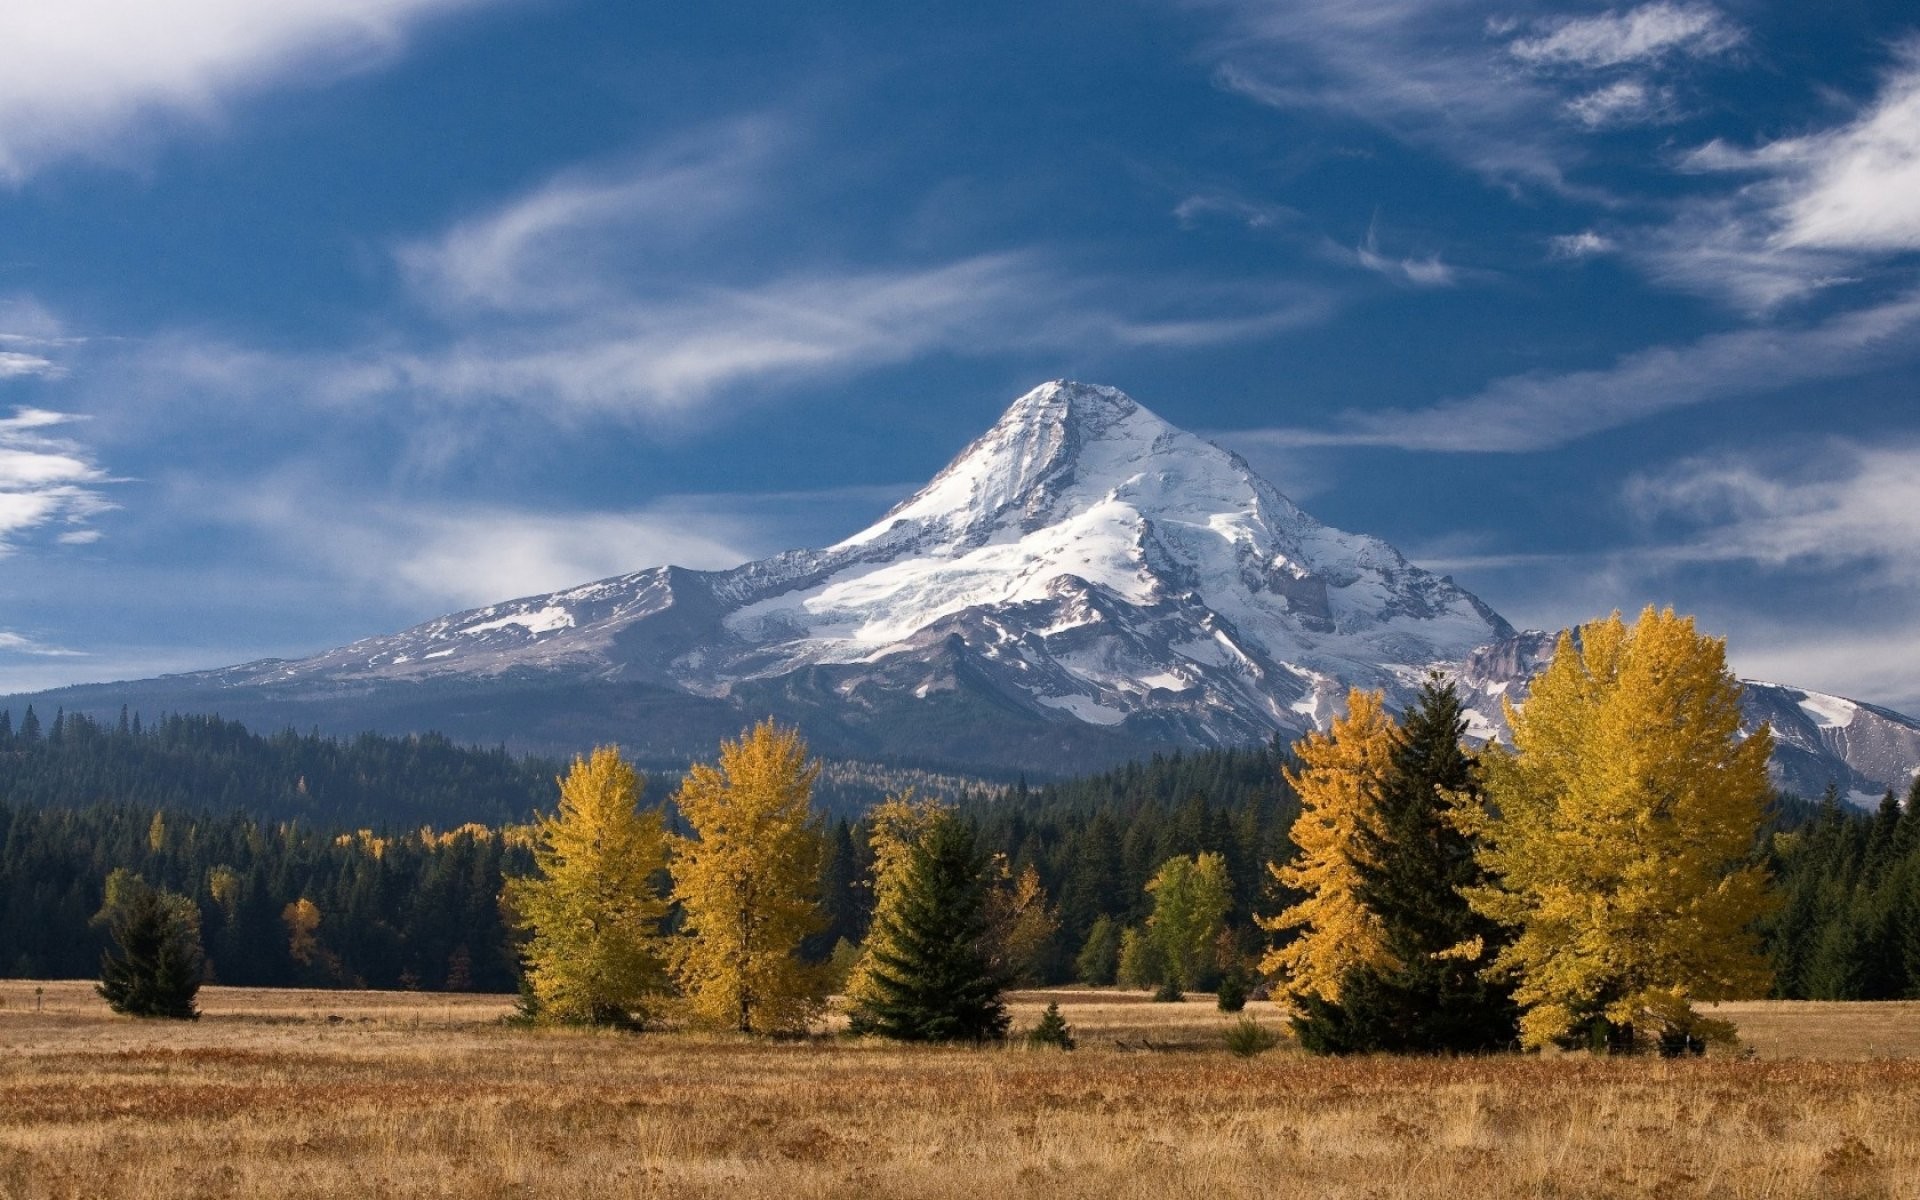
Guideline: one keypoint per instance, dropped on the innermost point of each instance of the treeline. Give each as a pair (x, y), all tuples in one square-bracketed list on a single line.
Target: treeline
[(1848, 925), (310, 901), (278, 904), (205, 764), (1094, 843)]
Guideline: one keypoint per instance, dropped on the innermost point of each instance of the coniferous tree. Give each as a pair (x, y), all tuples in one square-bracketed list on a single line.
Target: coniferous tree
[(155, 966), (931, 979), (747, 882), (594, 953), (1618, 833), (1414, 866)]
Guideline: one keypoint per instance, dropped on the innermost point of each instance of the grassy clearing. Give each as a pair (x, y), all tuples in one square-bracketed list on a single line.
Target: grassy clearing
[(332, 1094)]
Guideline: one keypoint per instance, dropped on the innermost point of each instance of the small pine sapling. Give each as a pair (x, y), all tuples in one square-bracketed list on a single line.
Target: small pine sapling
[(1052, 1030)]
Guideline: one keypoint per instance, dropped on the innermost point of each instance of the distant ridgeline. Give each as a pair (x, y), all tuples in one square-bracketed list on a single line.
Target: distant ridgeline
[(201, 763), (202, 807)]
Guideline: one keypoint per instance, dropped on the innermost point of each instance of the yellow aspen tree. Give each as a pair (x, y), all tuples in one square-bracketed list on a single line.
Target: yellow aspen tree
[(894, 827), (1021, 922), (594, 953), (747, 882), (1338, 782), (1617, 832)]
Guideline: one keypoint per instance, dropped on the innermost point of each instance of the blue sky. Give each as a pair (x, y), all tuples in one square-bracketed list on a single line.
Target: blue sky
[(324, 317)]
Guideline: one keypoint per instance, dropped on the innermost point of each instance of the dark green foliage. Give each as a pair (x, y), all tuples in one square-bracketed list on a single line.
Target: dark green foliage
[(1052, 1030), (155, 965), (1412, 868), (1099, 959), (932, 981), (1168, 993), (203, 763), (429, 910), (1848, 925), (1248, 1037), (1232, 994)]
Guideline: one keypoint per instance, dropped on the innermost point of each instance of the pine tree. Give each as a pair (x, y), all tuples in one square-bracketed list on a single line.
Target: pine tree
[(894, 827), (1414, 866), (1338, 782), (594, 952), (747, 883), (930, 979), (1190, 901), (155, 967), (1617, 832), (1052, 1029)]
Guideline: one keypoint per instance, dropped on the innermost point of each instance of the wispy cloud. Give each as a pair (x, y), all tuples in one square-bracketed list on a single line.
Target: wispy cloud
[(1807, 212), (1844, 505), (1253, 214), (566, 242), (1585, 244), (19, 643), (76, 76), (623, 292), (1623, 102), (1426, 271), (1425, 71), (45, 480), (1540, 411), (17, 365), (1645, 34)]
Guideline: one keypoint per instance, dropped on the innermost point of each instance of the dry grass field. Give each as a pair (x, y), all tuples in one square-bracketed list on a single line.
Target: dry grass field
[(328, 1094)]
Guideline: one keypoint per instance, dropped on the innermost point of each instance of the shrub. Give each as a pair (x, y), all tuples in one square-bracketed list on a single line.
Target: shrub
[(1248, 1037), (1169, 993)]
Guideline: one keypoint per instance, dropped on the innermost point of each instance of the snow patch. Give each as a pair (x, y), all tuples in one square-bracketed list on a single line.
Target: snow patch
[(545, 621), (1828, 712), (1086, 708)]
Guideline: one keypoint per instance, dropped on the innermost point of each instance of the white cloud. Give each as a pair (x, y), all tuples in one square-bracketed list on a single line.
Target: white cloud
[(1540, 411), (16, 365), (18, 643), (76, 76), (1422, 70), (1623, 102), (666, 355), (44, 480), (562, 243), (1810, 211), (1253, 214), (1648, 33), (1585, 244), (1845, 505)]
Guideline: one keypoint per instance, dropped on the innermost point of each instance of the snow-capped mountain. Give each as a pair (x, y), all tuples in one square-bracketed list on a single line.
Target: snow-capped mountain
[(1085, 583)]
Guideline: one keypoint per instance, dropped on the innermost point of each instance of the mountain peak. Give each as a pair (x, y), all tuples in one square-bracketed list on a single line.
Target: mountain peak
[(1070, 404)]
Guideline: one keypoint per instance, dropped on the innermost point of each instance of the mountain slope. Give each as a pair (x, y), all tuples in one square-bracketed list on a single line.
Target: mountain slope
[(1083, 584)]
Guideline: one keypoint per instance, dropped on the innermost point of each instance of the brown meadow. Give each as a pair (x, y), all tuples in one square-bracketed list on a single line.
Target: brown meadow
[(351, 1094)]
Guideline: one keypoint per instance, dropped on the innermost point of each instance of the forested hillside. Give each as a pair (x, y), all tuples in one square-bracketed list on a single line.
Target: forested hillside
[(205, 764)]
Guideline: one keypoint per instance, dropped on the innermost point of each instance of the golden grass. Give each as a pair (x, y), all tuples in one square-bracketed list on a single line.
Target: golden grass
[(332, 1094)]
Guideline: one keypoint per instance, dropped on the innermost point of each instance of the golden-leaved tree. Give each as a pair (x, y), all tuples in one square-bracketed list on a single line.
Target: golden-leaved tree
[(747, 882), (1338, 782), (1617, 832), (593, 913)]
